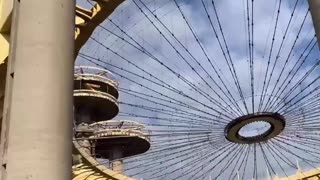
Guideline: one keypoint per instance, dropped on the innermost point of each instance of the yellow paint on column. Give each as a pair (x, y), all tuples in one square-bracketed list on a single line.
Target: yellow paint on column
[(6, 7), (4, 47)]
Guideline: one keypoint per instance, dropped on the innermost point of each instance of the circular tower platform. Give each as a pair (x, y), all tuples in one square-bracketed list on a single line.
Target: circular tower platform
[(131, 138), (95, 94), (95, 78)]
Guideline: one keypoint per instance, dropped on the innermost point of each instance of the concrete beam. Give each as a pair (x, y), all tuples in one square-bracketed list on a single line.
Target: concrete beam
[(100, 12), (96, 167)]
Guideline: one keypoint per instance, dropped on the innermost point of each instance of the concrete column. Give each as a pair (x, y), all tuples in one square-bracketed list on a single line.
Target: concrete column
[(40, 134), (8, 91), (115, 158), (315, 13)]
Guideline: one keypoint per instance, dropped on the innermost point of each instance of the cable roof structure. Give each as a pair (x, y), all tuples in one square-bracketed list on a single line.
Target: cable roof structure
[(162, 89), (227, 89)]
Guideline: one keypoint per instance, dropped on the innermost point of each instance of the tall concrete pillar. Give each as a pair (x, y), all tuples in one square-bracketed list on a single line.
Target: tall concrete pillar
[(315, 13), (115, 157), (40, 134), (8, 91)]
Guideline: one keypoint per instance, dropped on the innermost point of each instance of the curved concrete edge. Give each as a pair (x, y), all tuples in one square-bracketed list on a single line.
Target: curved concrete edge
[(313, 174), (89, 77), (95, 166), (109, 133), (97, 94), (102, 10)]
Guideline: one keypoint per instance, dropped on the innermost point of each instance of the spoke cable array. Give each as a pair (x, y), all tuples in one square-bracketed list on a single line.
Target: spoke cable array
[(189, 95)]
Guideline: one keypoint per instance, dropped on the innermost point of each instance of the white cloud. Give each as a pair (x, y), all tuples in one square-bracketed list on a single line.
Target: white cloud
[(232, 15)]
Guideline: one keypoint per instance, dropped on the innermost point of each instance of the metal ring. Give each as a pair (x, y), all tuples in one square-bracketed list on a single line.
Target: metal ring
[(276, 121)]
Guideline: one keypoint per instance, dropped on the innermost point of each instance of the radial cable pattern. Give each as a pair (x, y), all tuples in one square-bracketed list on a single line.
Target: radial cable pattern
[(228, 89)]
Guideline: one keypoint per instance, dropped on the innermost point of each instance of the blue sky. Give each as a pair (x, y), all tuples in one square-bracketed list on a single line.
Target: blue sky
[(232, 15)]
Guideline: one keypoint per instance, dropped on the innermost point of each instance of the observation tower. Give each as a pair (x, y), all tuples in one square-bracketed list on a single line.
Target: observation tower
[(95, 104)]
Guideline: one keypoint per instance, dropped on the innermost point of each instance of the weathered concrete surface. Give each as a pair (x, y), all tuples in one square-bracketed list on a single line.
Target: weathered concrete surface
[(40, 131)]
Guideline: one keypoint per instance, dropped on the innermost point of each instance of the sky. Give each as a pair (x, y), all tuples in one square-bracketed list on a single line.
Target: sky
[(181, 58)]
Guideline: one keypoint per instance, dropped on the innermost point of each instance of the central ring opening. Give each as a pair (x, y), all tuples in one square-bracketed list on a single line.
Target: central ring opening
[(254, 128)]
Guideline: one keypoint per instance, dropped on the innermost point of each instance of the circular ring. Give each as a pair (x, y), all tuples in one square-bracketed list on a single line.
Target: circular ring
[(276, 121)]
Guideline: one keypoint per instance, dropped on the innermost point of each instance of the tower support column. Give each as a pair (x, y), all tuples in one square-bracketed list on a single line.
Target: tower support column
[(40, 131), (116, 162), (315, 13)]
